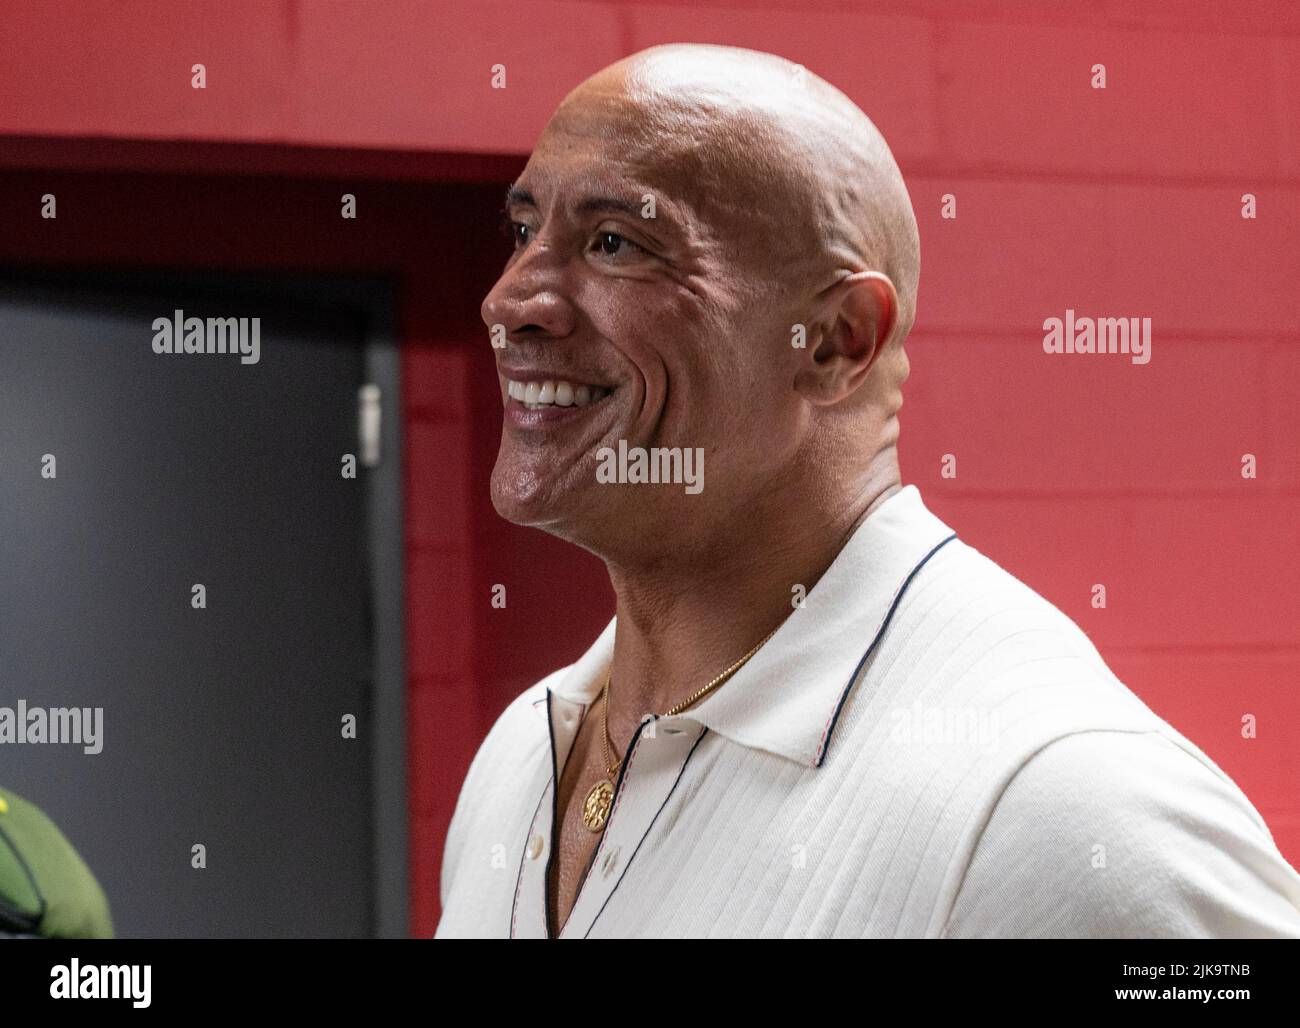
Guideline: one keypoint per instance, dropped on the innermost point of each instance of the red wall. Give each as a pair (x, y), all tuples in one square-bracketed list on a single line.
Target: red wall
[(1071, 470)]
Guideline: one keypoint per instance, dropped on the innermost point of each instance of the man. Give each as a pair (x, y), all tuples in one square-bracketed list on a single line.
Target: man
[(715, 254)]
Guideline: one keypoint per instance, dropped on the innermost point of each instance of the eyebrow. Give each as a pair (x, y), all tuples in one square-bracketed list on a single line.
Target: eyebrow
[(522, 197), (589, 205)]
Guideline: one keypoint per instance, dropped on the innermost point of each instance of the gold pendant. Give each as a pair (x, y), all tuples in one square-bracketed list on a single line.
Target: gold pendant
[(596, 808)]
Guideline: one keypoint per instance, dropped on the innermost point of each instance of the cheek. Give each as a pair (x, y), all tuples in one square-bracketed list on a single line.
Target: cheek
[(701, 361), (751, 402), (659, 337)]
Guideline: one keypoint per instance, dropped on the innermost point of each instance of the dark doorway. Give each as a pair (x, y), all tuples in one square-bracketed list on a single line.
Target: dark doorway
[(222, 726)]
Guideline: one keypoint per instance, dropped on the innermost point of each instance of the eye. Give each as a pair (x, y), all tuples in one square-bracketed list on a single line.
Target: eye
[(516, 231), (609, 243)]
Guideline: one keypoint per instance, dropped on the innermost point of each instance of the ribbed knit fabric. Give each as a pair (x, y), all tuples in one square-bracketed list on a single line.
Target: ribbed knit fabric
[(927, 748)]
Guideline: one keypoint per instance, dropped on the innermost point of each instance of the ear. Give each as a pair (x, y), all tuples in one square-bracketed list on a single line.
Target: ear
[(861, 312)]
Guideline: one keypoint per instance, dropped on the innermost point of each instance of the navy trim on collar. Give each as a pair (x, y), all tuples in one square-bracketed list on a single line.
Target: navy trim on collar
[(821, 754)]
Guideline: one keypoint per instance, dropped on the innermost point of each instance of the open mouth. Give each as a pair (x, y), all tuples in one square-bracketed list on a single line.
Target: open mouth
[(549, 393)]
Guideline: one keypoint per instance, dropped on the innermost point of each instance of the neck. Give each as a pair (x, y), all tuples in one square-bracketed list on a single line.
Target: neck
[(682, 622)]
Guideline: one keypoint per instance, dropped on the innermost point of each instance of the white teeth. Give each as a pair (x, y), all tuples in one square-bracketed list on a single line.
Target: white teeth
[(554, 393)]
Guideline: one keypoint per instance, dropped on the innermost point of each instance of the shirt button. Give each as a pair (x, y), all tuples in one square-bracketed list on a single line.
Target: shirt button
[(609, 863), (535, 845)]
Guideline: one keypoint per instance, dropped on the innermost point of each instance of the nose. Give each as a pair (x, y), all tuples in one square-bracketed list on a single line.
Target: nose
[(529, 297)]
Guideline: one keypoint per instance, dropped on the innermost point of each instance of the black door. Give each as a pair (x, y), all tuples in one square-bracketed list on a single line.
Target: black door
[(222, 725)]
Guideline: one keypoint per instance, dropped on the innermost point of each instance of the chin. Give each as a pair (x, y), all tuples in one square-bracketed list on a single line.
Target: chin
[(526, 497), (557, 507)]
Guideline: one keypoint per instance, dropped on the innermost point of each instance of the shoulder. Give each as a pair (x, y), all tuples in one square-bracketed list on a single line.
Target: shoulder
[(966, 600), (1097, 817), (1111, 833), (971, 637), (961, 576)]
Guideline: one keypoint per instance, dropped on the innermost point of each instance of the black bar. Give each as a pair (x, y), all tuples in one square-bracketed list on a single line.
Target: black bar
[(340, 978)]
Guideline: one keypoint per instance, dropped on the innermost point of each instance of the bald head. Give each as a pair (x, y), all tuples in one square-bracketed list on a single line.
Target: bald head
[(720, 245), (789, 160)]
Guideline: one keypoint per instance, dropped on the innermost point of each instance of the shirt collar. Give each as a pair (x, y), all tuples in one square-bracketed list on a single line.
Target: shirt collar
[(787, 697)]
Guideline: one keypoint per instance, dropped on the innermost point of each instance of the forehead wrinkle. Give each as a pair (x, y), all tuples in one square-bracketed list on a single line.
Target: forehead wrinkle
[(792, 184), (698, 250), (686, 149), (606, 181), (818, 177), (751, 187)]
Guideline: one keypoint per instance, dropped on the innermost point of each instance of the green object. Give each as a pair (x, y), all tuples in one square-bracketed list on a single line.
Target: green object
[(45, 887)]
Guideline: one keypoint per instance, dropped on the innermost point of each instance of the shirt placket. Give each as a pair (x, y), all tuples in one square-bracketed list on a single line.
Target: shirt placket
[(648, 779), (528, 911)]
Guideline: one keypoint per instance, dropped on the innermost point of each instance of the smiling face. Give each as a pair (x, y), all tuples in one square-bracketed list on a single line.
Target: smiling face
[(661, 331), (682, 212)]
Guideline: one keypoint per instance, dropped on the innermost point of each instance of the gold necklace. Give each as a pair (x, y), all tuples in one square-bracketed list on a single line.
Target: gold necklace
[(595, 809)]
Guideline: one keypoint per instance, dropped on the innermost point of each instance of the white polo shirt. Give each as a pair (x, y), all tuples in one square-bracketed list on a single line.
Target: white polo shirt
[(927, 748)]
